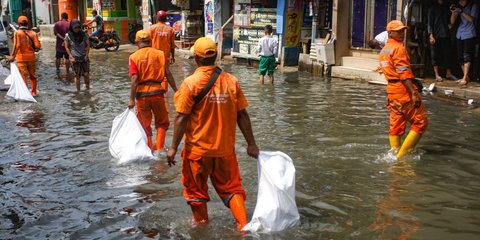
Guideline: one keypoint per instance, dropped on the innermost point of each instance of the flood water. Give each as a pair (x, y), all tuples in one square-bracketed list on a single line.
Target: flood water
[(58, 180)]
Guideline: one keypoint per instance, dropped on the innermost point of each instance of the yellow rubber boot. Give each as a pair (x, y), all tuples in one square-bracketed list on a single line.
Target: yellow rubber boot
[(160, 140), (237, 206), (394, 141), (409, 144), (150, 142), (200, 213)]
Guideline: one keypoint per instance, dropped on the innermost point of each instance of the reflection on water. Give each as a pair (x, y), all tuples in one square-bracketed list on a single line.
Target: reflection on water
[(58, 180), (33, 119), (394, 213)]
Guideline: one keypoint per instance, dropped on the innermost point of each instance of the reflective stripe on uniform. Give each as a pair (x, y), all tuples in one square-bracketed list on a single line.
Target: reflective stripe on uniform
[(386, 51), (401, 69)]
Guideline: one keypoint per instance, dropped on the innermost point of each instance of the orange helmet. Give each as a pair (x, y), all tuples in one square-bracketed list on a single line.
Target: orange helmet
[(161, 14)]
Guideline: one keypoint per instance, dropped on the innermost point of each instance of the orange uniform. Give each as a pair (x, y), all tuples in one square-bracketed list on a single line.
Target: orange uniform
[(395, 65), (210, 135), (24, 54), (163, 38), (149, 66)]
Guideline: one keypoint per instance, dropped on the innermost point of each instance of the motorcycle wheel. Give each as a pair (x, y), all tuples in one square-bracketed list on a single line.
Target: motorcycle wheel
[(131, 36), (112, 44)]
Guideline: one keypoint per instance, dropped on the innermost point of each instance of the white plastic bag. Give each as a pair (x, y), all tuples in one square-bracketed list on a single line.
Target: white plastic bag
[(276, 208), (128, 141), (18, 89)]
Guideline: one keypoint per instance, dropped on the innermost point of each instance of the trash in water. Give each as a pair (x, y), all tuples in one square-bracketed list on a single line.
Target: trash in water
[(448, 92), (470, 101)]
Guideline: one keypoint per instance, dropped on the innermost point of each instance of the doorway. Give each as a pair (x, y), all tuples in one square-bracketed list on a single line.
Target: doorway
[(369, 18)]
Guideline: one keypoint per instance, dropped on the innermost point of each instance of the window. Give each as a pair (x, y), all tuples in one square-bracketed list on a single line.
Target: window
[(123, 5)]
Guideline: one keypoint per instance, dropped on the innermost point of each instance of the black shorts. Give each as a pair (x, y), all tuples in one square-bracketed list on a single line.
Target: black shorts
[(59, 55), (81, 68)]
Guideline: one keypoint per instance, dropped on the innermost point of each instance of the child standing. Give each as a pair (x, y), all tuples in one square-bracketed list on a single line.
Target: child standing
[(267, 47)]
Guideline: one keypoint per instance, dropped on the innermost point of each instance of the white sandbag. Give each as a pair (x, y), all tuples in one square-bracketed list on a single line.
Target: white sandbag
[(276, 208), (18, 89), (128, 141)]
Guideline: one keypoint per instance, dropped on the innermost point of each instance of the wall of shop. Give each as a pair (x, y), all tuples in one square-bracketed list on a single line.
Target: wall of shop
[(341, 28)]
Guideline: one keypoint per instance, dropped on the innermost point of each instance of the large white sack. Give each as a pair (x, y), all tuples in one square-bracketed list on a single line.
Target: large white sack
[(18, 89), (276, 208), (128, 141)]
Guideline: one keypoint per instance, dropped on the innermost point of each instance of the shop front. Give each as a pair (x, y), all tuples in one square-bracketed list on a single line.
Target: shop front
[(117, 14), (292, 21), (250, 18)]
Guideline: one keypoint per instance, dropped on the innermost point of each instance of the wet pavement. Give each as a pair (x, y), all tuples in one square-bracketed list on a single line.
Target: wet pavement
[(58, 180)]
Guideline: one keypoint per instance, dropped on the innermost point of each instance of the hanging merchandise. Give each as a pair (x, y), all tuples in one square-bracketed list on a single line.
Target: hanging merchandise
[(18, 89), (128, 141), (276, 208)]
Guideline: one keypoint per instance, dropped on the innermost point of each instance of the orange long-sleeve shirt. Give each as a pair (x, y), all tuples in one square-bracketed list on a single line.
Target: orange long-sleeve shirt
[(395, 64), (22, 45)]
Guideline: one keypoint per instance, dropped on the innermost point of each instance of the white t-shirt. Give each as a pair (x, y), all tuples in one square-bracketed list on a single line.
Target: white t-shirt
[(267, 46), (382, 38)]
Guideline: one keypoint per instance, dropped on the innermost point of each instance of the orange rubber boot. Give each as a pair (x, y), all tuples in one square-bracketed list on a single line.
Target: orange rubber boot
[(237, 206), (34, 86), (160, 140), (200, 213), (150, 142)]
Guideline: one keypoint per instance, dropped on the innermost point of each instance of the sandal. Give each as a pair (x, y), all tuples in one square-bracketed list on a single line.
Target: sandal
[(439, 79)]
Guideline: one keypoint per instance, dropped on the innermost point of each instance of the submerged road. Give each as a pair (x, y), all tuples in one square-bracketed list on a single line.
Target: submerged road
[(58, 180)]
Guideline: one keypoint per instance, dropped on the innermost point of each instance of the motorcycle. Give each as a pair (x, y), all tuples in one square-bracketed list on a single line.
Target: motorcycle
[(133, 28), (108, 40)]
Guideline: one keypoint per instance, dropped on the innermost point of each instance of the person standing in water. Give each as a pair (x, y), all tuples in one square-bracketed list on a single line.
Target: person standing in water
[(267, 47), (209, 122), (78, 47), (404, 100)]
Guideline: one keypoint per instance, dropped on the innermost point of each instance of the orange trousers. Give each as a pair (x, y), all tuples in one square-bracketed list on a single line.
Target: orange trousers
[(402, 110), (26, 69), (223, 172), (152, 106)]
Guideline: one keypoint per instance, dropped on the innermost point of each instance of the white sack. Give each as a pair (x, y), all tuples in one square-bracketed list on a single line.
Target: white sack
[(128, 141), (18, 90), (276, 209)]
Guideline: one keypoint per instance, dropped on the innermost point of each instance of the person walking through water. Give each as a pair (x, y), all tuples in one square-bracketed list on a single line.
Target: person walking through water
[(25, 43), (267, 47), (209, 105), (404, 100), (147, 72), (78, 48), (163, 39), (60, 29)]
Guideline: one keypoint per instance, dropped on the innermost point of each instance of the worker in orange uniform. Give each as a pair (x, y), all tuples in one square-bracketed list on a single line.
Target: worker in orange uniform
[(163, 38), (208, 122), (404, 99), (25, 43), (147, 72)]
